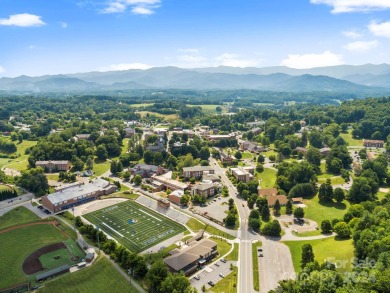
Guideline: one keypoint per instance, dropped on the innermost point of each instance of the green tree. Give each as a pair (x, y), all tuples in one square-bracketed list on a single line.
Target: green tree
[(259, 168), (238, 155), (261, 159), (360, 190), (307, 255), (342, 230), (326, 227), (254, 224), (299, 213), (272, 229), (325, 193), (156, 275), (126, 175), (89, 163), (184, 200), (230, 220), (204, 153), (148, 157), (265, 213), (289, 207), (313, 156), (277, 208), (101, 152), (338, 195), (175, 283), (137, 179)]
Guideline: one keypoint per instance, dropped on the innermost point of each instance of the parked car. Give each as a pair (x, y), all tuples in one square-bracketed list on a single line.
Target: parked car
[(217, 264), (259, 249), (211, 283), (197, 277), (261, 255), (223, 260), (221, 275)]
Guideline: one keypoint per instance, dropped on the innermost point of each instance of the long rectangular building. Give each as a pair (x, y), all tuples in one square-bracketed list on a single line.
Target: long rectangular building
[(197, 171), (50, 166), (76, 195)]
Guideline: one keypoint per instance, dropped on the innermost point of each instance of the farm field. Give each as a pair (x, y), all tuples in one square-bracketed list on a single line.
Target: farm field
[(134, 226), (167, 117), (100, 277), (19, 244), (17, 216), (336, 251), (210, 108)]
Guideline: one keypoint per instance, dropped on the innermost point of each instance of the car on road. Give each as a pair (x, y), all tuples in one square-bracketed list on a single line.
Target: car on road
[(259, 249), (211, 283), (261, 255), (221, 275), (197, 278), (223, 260)]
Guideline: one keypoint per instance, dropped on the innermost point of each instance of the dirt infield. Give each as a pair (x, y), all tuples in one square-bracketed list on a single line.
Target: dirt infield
[(32, 265)]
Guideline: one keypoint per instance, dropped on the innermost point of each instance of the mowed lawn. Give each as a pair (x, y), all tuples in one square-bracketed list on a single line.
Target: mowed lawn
[(98, 278), (318, 212), (268, 178), (335, 251), (17, 216), (148, 229), (21, 162), (4, 187), (20, 243), (350, 140)]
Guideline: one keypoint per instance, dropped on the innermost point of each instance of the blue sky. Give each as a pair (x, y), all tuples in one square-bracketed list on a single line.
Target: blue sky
[(67, 36)]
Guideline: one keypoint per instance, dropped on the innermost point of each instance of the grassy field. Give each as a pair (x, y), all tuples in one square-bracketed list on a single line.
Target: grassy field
[(227, 284), (21, 162), (19, 244), (132, 196), (210, 108), (141, 105), (268, 178), (148, 228), (223, 246), (196, 225), (166, 117), (17, 216), (234, 254), (333, 179), (101, 168), (339, 252), (255, 262), (350, 140), (100, 277), (246, 155), (318, 212)]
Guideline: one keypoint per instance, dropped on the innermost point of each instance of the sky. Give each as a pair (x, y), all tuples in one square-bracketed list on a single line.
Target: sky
[(69, 36)]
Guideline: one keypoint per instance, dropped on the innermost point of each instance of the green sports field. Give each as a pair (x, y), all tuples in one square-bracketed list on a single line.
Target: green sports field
[(148, 227)]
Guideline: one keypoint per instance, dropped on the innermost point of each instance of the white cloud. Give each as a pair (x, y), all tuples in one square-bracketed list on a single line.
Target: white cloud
[(23, 20), (352, 34), (380, 29), (2, 69), (361, 46), (125, 66), (143, 7), (312, 60), (343, 6), (234, 60), (63, 24)]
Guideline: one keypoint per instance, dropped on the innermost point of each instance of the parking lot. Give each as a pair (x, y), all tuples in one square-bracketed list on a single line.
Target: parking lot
[(215, 208), (211, 273)]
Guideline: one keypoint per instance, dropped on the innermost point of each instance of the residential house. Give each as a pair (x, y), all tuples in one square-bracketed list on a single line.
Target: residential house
[(130, 132)]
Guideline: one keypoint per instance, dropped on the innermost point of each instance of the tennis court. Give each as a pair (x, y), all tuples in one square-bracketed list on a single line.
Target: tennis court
[(134, 226)]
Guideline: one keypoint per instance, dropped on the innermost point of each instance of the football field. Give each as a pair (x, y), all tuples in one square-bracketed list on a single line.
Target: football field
[(134, 226)]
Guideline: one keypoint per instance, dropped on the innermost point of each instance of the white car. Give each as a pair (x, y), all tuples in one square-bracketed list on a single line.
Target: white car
[(221, 275), (197, 278)]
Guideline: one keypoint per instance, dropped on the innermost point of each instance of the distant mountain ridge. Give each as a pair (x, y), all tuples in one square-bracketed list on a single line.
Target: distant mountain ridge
[(343, 78)]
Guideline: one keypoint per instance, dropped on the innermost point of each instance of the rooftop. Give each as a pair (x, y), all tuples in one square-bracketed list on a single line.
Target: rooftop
[(78, 190), (197, 168)]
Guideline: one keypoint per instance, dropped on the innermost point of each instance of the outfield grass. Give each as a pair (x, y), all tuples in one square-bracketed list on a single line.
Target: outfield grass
[(234, 254), (19, 244), (268, 178), (17, 216), (350, 140), (333, 250), (100, 277), (149, 228), (223, 246), (255, 262), (318, 212), (227, 284)]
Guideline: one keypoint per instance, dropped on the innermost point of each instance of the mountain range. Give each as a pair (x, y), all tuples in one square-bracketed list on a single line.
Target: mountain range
[(367, 79)]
